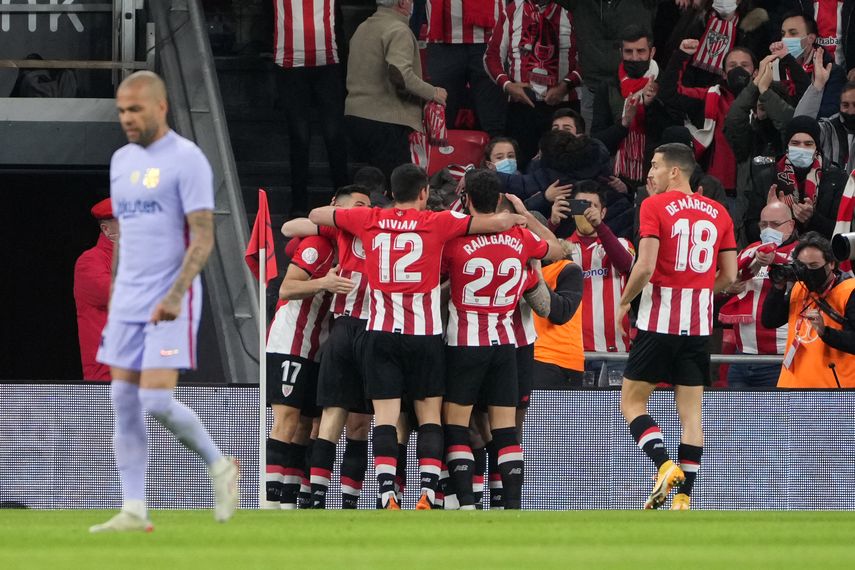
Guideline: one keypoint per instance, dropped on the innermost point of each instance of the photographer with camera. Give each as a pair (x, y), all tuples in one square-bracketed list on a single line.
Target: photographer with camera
[(819, 311), (778, 238)]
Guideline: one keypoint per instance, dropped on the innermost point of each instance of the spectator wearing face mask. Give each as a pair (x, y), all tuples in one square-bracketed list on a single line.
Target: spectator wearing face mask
[(834, 25), (500, 155), (744, 308), (798, 56), (803, 179), (705, 108), (719, 26), (628, 115), (837, 132), (753, 127), (819, 312)]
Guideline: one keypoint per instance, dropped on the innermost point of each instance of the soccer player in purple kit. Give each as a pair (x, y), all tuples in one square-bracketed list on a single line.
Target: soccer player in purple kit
[(161, 187)]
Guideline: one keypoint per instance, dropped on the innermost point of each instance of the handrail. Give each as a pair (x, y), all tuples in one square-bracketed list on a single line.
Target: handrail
[(71, 64), (714, 358), (53, 8)]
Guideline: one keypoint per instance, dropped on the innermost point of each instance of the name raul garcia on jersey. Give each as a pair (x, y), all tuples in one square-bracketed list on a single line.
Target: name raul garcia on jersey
[(493, 239), (691, 203)]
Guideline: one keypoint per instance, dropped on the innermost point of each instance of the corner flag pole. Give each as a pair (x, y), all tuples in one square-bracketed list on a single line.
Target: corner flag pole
[(262, 378)]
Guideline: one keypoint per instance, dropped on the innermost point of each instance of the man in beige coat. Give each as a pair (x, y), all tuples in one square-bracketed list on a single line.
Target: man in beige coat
[(386, 93)]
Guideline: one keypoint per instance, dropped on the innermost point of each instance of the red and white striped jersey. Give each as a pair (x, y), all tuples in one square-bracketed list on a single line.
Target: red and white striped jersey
[(488, 276), (522, 320), (453, 29), (402, 264), (691, 230), (304, 33), (750, 335), (533, 44), (829, 22), (301, 326), (603, 286), (351, 263)]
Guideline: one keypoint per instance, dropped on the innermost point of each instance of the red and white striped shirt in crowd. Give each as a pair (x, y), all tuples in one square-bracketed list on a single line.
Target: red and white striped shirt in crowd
[(533, 44), (829, 22), (743, 310), (718, 39), (691, 230), (488, 275), (603, 285), (301, 326), (402, 264), (304, 33), (448, 22), (351, 263), (522, 320)]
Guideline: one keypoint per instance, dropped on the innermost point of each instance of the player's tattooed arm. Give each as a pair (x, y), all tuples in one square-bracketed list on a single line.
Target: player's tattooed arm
[(299, 227), (539, 299), (201, 224)]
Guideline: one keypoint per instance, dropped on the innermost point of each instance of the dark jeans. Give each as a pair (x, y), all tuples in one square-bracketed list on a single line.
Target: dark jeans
[(753, 375), (384, 145), (551, 376), (527, 125), (302, 88), (452, 67)]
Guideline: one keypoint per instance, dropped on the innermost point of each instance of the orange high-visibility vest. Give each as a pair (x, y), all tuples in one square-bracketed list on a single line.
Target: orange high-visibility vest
[(809, 368), (559, 344)]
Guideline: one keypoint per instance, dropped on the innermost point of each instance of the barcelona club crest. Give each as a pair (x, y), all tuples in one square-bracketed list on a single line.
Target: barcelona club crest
[(151, 178)]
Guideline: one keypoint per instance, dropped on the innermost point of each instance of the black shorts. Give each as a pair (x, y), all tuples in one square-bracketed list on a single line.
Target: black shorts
[(483, 374), (525, 374), (293, 381), (395, 365), (680, 360), (340, 382)]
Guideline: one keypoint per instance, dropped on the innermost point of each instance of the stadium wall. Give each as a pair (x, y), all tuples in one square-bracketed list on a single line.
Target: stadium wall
[(764, 450)]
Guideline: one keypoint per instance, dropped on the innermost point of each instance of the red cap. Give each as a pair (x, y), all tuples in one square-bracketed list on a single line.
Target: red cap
[(103, 210)]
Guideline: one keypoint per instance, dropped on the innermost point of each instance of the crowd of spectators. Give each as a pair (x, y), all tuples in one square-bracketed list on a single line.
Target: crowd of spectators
[(575, 95)]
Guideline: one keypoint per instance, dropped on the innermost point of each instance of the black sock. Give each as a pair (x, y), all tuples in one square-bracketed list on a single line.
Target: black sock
[(385, 441), (497, 500), (320, 471), (277, 452), (461, 463), (648, 436), (480, 455), (295, 471), (690, 463), (401, 472), (304, 499), (429, 452), (510, 460), (353, 467)]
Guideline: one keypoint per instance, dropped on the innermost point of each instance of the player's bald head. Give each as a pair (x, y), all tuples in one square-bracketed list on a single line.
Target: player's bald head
[(146, 83)]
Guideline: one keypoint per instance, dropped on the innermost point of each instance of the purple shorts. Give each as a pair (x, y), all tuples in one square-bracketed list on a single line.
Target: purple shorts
[(143, 346)]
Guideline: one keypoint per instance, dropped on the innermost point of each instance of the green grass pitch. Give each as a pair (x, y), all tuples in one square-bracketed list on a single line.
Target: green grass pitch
[(59, 540)]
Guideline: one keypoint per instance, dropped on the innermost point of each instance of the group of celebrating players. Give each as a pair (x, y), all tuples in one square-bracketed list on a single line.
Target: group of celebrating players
[(364, 330)]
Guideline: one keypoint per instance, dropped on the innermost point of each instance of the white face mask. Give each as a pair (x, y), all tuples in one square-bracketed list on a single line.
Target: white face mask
[(768, 235), (725, 7)]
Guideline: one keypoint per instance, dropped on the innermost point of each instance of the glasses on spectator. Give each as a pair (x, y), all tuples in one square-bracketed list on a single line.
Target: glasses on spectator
[(775, 225)]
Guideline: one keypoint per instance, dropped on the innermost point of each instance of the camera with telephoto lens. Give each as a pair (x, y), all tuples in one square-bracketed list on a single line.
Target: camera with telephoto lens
[(787, 272), (843, 246)]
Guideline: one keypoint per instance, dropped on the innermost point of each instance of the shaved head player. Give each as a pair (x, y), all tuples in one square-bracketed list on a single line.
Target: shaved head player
[(161, 187)]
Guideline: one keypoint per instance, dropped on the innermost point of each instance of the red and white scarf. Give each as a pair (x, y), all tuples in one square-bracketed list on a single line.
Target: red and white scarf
[(434, 133), (704, 136), (829, 19), (629, 160), (789, 189), (718, 39)]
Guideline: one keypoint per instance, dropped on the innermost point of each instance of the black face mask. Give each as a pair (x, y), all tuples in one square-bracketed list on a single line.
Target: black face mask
[(848, 120), (737, 80), (815, 279), (636, 69)]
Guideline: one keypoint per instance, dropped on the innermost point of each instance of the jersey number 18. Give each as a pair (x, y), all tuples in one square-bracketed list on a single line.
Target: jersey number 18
[(695, 245)]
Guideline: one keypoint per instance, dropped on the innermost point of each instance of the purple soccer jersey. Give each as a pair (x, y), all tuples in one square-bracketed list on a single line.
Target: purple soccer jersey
[(152, 189)]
